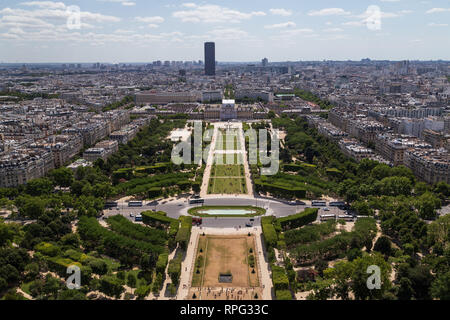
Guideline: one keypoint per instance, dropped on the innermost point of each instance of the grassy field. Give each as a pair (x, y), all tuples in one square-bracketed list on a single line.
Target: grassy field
[(227, 186), (228, 159), (228, 140), (227, 171), (225, 254)]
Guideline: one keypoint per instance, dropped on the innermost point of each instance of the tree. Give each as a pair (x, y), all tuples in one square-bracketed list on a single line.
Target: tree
[(427, 204), (271, 114), (62, 177), (33, 208), (443, 189), (359, 276), (405, 290), (40, 186), (421, 280), (320, 266), (131, 280), (394, 186), (341, 275), (353, 254), (71, 295), (440, 289), (6, 234), (111, 286), (383, 245)]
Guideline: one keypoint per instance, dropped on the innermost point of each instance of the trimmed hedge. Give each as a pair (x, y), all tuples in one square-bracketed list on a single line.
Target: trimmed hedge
[(298, 192), (59, 266), (161, 263), (111, 286), (174, 269), (269, 232), (299, 220), (184, 233), (48, 249), (279, 278), (157, 220), (283, 295)]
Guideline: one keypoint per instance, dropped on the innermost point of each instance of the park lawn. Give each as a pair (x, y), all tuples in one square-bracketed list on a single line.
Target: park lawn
[(197, 277), (228, 159), (226, 171), (227, 186), (228, 141)]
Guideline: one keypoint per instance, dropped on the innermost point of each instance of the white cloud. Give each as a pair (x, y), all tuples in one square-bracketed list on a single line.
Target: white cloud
[(122, 2), (189, 5), (438, 10), (281, 12), (228, 34), (432, 24), (364, 18), (329, 12), (214, 14), (288, 24), (155, 19), (45, 4), (333, 30)]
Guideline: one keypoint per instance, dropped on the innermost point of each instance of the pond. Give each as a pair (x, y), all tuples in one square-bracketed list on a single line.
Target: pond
[(219, 212)]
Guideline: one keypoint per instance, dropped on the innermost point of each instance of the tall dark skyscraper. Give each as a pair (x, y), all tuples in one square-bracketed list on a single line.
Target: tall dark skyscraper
[(210, 59)]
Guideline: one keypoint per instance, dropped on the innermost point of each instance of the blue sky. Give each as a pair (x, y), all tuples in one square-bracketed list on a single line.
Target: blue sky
[(244, 30)]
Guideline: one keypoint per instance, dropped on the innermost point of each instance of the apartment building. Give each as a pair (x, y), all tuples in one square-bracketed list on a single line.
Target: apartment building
[(161, 98), (22, 165), (429, 165), (393, 146)]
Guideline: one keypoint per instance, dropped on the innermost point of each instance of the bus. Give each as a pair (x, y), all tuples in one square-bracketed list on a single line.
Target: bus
[(337, 204), (318, 203), (138, 217), (326, 217), (135, 204), (111, 204), (196, 201), (346, 217)]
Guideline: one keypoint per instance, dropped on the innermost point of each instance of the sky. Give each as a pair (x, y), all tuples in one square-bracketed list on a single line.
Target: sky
[(121, 31)]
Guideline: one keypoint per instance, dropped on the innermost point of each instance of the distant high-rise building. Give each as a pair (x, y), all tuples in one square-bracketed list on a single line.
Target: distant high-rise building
[(210, 59), (265, 62)]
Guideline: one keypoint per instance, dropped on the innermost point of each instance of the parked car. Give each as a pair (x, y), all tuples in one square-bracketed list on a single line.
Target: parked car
[(326, 209)]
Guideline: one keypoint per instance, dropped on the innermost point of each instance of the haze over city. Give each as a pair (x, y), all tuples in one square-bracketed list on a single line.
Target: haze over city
[(141, 31)]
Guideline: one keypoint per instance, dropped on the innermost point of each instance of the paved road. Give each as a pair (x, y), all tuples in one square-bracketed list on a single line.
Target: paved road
[(176, 208)]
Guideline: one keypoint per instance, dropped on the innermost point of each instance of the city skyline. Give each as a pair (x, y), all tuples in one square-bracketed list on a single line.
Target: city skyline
[(123, 31)]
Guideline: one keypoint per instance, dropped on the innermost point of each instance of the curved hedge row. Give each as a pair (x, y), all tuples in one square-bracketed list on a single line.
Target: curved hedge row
[(125, 227), (278, 190), (157, 220), (129, 251), (299, 220)]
